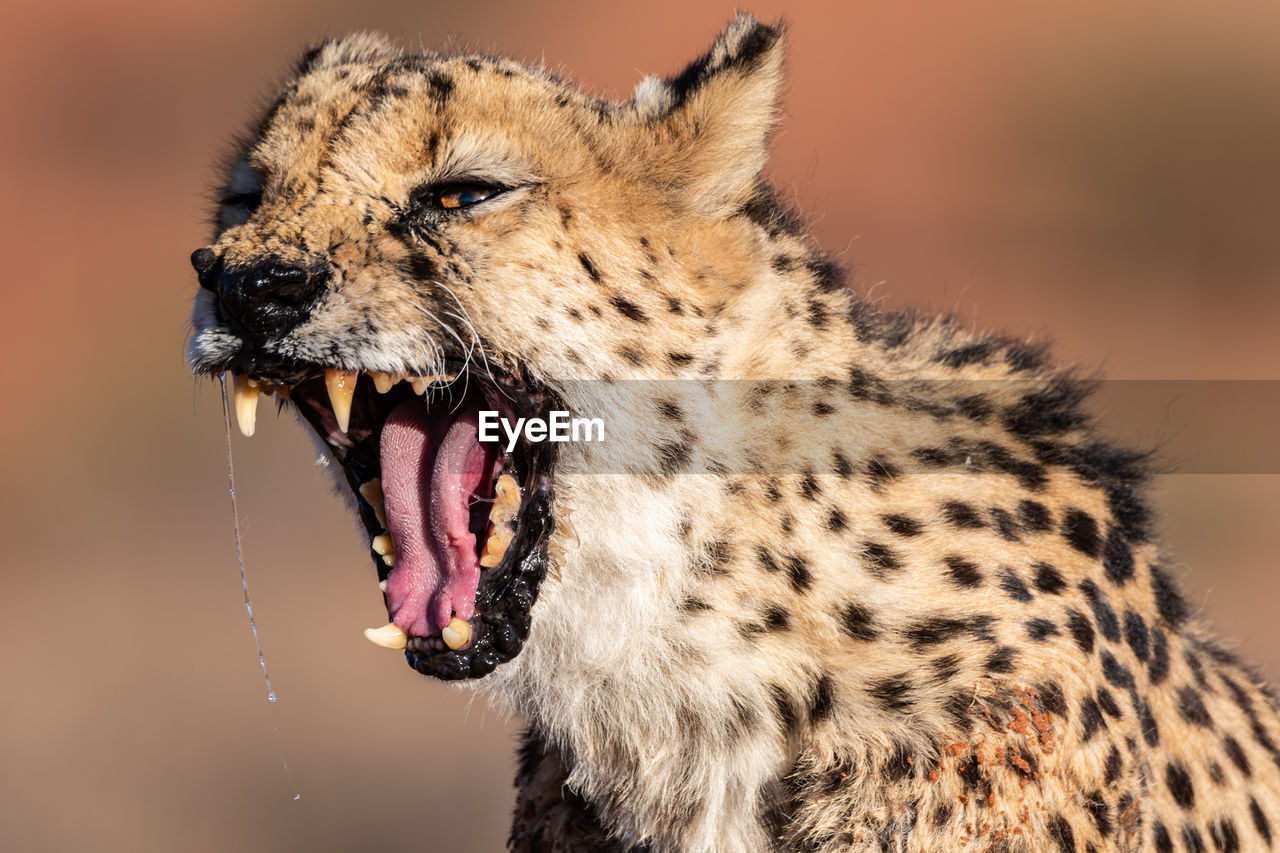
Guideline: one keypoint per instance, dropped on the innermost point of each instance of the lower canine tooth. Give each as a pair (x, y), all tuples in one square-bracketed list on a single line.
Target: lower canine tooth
[(342, 386), (389, 636), (456, 634), (246, 400)]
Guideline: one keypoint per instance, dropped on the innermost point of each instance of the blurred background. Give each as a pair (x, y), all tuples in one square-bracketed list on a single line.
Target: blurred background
[(1103, 174)]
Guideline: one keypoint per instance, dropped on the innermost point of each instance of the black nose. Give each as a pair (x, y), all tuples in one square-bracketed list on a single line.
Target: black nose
[(264, 300)]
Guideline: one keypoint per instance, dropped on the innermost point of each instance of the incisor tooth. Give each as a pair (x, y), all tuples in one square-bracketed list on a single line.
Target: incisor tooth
[(246, 400), (456, 634), (382, 545), (384, 382), (382, 585), (342, 386), (389, 636)]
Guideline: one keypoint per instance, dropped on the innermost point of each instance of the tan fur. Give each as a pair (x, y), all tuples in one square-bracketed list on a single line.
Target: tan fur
[(875, 591)]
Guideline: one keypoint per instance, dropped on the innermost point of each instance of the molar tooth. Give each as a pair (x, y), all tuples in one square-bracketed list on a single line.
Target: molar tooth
[(389, 560), (342, 386), (456, 634), (384, 382), (507, 490), (372, 492), (495, 547), (246, 400), (389, 636), (382, 545), (421, 383)]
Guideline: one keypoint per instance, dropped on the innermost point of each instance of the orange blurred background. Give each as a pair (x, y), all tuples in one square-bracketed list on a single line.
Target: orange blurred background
[(1102, 173)]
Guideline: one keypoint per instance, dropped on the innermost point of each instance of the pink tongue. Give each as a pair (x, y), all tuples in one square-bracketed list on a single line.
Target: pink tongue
[(429, 475)]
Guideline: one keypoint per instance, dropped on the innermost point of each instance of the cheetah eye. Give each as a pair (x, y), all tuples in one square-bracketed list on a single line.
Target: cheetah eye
[(454, 196)]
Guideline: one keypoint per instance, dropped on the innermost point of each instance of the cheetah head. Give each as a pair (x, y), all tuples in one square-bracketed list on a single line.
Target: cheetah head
[(404, 241)]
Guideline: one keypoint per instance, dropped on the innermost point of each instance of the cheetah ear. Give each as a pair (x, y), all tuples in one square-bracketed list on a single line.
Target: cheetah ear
[(708, 127), (357, 47)]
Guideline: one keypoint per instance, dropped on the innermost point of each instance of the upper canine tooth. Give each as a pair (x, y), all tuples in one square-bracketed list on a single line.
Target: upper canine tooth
[(384, 382), (246, 399), (342, 386), (389, 636), (456, 634)]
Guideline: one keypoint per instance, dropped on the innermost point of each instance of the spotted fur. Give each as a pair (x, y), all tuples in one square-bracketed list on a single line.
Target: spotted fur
[(858, 581)]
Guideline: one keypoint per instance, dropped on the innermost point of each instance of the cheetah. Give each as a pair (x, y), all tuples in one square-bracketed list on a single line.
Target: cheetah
[(836, 579)]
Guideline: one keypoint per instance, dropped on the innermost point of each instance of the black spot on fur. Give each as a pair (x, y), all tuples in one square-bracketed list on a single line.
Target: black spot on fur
[(798, 573), (1060, 832), (1048, 579), (785, 708), (1107, 703), (1164, 844), (1114, 765), (940, 629), (679, 359), (841, 464), (1081, 530), (1041, 629), (1146, 721), (1178, 780), (694, 605), (881, 470), (1013, 585), (856, 621), (809, 488), (1115, 672), (880, 559), (776, 618), (1090, 719), (1192, 708), (1223, 833), (893, 693), (902, 525), (1237, 756), (823, 700), (1170, 603), (626, 308), (1100, 812), (827, 275), (1034, 516), (1117, 558), (1191, 839), (1002, 660), (1103, 615), (969, 354), (1136, 634), (962, 572), (1051, 698), (962, 515), (672, 456), (1158, 668), (1260, 821), (589, 266), (1081, 630), (765, 209), (836, 520)]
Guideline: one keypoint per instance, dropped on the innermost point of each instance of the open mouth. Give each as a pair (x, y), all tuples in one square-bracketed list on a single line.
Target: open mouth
[(458, 527)]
